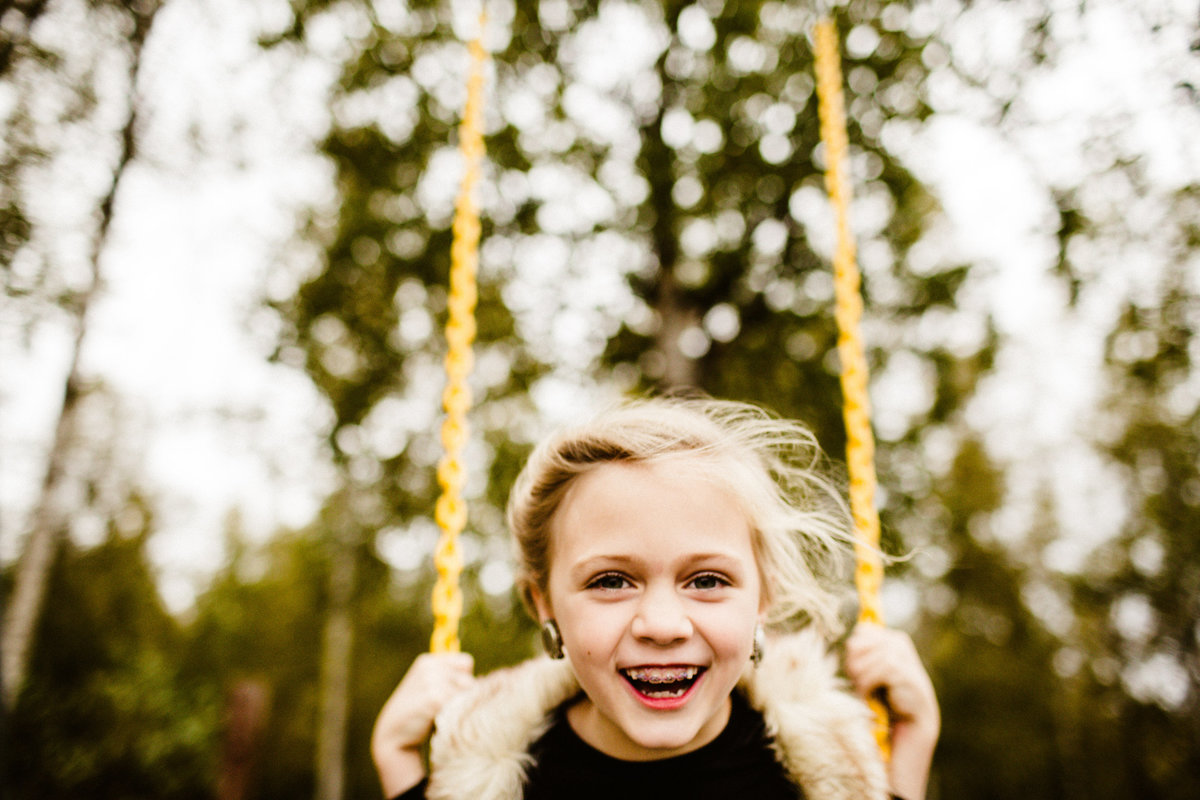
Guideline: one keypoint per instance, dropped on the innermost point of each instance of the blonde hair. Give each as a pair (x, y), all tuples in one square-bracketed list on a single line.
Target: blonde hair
[(800, 526)]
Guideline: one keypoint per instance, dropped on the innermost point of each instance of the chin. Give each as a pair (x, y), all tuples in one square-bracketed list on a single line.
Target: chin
[(671, 732), (668, 740)]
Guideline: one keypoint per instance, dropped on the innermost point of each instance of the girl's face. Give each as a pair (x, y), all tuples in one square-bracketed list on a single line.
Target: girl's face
[(655, 587)]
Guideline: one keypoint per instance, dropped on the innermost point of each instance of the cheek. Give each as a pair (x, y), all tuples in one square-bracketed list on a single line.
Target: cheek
[(585, 622), (731, 629)]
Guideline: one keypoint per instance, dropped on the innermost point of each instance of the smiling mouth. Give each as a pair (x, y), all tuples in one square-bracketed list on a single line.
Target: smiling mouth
[(662, 683)]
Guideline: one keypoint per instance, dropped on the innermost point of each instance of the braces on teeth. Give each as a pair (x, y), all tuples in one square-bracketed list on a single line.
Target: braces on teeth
[(661, 683), (656, 675)]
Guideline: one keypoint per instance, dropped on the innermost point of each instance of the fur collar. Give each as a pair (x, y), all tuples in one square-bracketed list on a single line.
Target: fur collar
[(822, 733)]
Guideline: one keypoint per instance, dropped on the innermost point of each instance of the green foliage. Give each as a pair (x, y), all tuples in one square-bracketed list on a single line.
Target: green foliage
[(107, 711), (989, 656), (752, 190), (710, 220), (712, 212), (261, 619), (1138, 602)]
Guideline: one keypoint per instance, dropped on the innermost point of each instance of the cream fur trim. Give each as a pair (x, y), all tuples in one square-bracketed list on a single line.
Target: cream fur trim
[(480, 750), (822, 732)]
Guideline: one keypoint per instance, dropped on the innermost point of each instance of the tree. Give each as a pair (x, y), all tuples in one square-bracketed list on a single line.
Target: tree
[(362, 328), (1085, 503), (255, 623), (654, 218), (131, 24), (1139, 598), (259, 623), (105, 712), (691, 167)]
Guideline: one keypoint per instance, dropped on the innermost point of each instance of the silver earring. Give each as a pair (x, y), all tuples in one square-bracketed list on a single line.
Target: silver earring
[(552, 639), (760, 641)]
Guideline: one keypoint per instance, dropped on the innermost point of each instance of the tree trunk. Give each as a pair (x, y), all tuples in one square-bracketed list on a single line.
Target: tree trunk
[(47, 521), (246, 710), (46, 525), (337, 649), (678, 370)]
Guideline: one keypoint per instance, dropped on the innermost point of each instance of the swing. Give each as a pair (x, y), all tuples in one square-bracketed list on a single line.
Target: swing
[(451, 512)]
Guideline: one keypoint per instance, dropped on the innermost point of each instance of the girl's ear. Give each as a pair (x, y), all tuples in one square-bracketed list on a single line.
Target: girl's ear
[(541, 604), (764, 603)]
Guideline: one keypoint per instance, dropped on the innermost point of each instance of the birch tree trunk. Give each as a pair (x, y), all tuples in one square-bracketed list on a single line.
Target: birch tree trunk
[(48, 518)]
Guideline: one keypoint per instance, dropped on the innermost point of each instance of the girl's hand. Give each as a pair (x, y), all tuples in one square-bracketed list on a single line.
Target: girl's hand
[(407, 717), (881, 658)]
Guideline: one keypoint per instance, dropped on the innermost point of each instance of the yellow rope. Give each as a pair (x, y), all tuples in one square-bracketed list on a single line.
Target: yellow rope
[(451, 511), (860, 444)]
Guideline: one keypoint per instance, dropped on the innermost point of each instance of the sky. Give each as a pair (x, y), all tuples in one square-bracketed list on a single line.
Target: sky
[(177, 332), (205, 222)]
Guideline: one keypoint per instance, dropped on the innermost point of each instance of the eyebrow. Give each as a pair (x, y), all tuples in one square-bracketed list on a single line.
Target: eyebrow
[(600, 561)]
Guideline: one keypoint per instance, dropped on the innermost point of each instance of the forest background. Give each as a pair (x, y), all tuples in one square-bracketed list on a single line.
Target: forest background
[(224, 231)]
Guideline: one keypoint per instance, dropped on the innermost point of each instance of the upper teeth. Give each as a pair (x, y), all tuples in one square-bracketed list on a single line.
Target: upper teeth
[(662, 674)]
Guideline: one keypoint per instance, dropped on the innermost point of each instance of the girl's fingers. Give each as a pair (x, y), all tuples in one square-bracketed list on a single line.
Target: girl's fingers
[(407, 717), (879, 658), (434, 678)]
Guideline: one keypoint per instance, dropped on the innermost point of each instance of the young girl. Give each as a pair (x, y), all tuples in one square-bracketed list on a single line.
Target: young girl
[(659, 544)]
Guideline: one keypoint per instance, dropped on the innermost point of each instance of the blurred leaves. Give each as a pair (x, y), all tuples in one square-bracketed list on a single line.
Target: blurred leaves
[(107, 711), (654, 218)]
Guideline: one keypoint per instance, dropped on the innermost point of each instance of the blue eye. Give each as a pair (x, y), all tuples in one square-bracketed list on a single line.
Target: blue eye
[(609, 581), (708, 581)]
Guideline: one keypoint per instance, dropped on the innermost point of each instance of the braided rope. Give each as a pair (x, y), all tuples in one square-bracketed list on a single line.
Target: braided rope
[(451, 509), (860, 444)]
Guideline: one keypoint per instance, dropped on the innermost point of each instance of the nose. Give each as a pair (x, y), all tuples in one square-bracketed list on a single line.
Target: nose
[(661, 617)]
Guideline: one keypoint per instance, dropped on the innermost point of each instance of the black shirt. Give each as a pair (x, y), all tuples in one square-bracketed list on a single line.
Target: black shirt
[(739, 763)]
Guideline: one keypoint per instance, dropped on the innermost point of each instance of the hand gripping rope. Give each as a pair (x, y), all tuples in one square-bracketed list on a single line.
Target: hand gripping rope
[(451, 510), (856, 403)]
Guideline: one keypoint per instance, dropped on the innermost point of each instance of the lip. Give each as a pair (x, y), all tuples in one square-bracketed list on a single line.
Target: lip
[(664, 703)]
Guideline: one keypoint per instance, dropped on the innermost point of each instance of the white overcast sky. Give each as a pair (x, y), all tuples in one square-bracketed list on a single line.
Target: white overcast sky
[(177, 335)]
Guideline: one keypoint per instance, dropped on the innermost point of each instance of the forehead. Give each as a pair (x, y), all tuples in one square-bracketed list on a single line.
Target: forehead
[(660, 510)]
